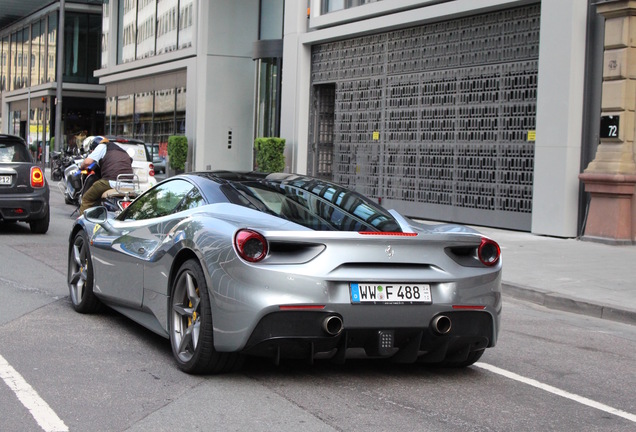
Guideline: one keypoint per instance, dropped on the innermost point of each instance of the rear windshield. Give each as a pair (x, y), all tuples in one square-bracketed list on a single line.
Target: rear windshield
[(14, 152), (137, 151), (321, 207)]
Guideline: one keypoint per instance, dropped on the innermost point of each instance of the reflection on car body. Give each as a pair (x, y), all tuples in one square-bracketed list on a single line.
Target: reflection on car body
[(228, 264)]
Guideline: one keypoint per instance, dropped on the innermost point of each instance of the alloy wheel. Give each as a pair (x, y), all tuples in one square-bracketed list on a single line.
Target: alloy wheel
[(78, 270), (186, 316)]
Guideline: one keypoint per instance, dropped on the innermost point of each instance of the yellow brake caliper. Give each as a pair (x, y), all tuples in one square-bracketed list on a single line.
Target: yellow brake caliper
[(192, 319)]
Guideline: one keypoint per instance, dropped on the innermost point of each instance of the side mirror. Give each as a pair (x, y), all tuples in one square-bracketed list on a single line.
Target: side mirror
[(97, 215)]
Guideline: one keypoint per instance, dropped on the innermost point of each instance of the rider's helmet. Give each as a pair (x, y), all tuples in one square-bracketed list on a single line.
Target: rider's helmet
[(91, 142), (97, 141)]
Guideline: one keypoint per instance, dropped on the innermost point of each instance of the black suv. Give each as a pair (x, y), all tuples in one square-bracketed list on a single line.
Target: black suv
[(24, 191)]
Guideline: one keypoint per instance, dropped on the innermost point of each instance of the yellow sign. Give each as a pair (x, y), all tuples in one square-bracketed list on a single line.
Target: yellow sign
[(376, 135), (532, 135)]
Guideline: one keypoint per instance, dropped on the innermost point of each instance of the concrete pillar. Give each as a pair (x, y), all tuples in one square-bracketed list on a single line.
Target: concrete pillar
[(611, 177)]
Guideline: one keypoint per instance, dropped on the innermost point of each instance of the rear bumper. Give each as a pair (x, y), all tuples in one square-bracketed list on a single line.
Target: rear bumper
[(296, 334), (24, 207)]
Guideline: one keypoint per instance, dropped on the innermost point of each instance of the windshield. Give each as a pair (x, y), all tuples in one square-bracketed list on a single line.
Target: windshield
[(315, 204)]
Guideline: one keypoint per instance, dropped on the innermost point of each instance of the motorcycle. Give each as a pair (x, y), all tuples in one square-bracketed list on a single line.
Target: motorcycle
[(71, 188), (79, 181), (59, 162), (57, 170), (115, 199)]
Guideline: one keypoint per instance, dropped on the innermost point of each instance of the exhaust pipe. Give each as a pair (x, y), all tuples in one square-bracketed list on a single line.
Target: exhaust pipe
[(332, 325), (441, 324)]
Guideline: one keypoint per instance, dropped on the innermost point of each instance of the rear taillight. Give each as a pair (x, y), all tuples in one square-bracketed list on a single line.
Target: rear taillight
[(488, 252), (151, 169), (250, 245), (124, 204), (37, 177)]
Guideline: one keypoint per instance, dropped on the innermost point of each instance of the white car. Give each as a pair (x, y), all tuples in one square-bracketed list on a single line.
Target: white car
[(142, 161)]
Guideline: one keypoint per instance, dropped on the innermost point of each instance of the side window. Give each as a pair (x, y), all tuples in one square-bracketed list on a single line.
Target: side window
[(165, 199)]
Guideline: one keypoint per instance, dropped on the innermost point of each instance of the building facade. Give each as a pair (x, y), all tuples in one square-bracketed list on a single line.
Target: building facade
[(28, 74), (182, 67), (473, 111)]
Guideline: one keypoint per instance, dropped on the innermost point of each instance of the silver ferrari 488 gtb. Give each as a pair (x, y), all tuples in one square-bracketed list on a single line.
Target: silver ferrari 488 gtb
[(228, 264)]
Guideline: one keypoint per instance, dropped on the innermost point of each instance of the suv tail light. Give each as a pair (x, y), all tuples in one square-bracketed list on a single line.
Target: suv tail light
[(250, 245), (37, 177)]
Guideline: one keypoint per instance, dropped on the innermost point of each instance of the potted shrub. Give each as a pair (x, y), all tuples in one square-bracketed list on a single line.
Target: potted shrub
[(177, 152), (270, 155)]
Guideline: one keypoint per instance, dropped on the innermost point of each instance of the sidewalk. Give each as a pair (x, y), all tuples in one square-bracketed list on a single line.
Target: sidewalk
[(593, 279)]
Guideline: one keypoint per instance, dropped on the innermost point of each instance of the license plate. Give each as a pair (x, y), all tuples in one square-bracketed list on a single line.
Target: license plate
[(5, 179), (390, 293)]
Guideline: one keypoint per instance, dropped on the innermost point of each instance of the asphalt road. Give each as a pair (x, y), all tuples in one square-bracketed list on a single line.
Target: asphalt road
[(551, 371)]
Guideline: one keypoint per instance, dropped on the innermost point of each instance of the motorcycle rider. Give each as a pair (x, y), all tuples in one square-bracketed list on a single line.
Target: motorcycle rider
[(113, 161)]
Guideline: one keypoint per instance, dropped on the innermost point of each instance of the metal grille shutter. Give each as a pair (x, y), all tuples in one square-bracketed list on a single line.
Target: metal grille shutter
[(436, 121)]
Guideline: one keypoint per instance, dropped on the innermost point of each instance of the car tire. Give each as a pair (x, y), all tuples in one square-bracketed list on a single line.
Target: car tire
[(80, 276), (40, 226), (191, 330)]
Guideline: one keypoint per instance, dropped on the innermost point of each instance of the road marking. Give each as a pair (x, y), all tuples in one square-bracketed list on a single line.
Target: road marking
[(557, 391), (39, 409)]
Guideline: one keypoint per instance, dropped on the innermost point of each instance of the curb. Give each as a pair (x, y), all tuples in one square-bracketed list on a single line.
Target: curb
[(552, 300)]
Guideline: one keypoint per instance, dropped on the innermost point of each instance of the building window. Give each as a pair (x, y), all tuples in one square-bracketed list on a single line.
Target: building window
[(164, 121), (268, 53), (82, 35), (271, 19), (154, 111), (167, 25), (268, 103), (16, 60), (15, 121), (151, 27), (105, 32), (180, 111), (143, 116), (36, 46), (146, 17), (42, 52), (125, 108), (335, 5), (127, 30), (4, 71), (186, 10), (52, 48)]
